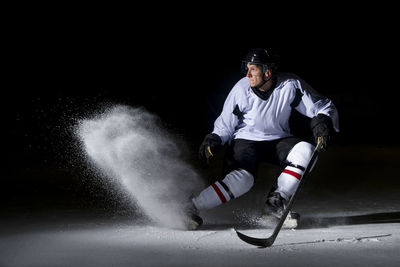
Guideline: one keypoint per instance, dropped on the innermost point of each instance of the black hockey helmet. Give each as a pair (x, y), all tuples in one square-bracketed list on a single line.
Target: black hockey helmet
[(260, 56)]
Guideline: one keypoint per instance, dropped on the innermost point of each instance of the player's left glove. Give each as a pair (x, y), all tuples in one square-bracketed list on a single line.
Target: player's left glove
[(211, 144), (321, 126)]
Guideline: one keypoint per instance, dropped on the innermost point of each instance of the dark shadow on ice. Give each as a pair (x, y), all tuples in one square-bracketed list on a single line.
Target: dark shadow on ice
[(213, 226), (318, 222), (315, 222), (233, 225)]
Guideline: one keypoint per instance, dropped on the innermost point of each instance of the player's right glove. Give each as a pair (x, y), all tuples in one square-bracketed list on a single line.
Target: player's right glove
[(321, 126), (211, 144)]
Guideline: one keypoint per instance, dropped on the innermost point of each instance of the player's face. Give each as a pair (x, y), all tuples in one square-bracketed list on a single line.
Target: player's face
[(254, 74)]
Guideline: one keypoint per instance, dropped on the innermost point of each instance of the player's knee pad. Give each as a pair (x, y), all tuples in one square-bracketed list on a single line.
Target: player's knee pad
[(238, 182), (235, 184), (298, 160), (300, 154)]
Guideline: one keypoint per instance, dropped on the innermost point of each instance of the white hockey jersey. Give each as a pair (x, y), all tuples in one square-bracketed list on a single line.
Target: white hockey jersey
[(246, 115)]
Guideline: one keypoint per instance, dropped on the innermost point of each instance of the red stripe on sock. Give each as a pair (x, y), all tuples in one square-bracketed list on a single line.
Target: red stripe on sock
[(219, 193), (294, 174)]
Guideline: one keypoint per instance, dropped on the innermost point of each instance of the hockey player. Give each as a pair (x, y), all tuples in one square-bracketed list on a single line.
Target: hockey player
[(255, 123)]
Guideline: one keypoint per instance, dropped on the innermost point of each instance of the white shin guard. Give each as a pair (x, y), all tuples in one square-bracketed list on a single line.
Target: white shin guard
[(235, 184), (298, 159)]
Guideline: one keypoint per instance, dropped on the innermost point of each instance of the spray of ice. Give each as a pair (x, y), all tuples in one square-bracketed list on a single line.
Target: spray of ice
[(127, 145)]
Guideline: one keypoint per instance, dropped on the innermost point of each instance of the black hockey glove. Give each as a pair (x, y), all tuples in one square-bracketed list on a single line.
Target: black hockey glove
[(321, 126), (211, 144)]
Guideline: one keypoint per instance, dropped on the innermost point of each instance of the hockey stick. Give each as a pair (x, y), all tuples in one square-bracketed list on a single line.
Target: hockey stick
[(267, 242)]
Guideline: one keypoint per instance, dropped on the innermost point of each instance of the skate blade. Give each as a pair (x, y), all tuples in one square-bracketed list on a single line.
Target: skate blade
[(290, 223), (192, 225)]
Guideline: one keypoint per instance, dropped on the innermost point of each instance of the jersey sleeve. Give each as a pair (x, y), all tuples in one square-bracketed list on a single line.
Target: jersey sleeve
[(310, 103), (225, 124)]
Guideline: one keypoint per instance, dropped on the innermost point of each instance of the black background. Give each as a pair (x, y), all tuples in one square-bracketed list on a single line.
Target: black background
[(62, 67)]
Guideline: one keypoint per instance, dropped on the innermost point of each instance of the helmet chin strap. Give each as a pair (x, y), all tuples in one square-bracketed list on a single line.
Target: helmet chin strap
[(261, 84)]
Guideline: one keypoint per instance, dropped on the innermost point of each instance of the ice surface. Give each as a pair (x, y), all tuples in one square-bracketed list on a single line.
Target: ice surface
[(123, 244)]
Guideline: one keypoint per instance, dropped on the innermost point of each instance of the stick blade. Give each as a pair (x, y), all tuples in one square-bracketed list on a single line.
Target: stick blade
[(259, 242)]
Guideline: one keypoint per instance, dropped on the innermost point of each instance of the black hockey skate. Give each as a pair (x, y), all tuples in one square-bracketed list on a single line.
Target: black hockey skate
[(274, 208), (194, 221)]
